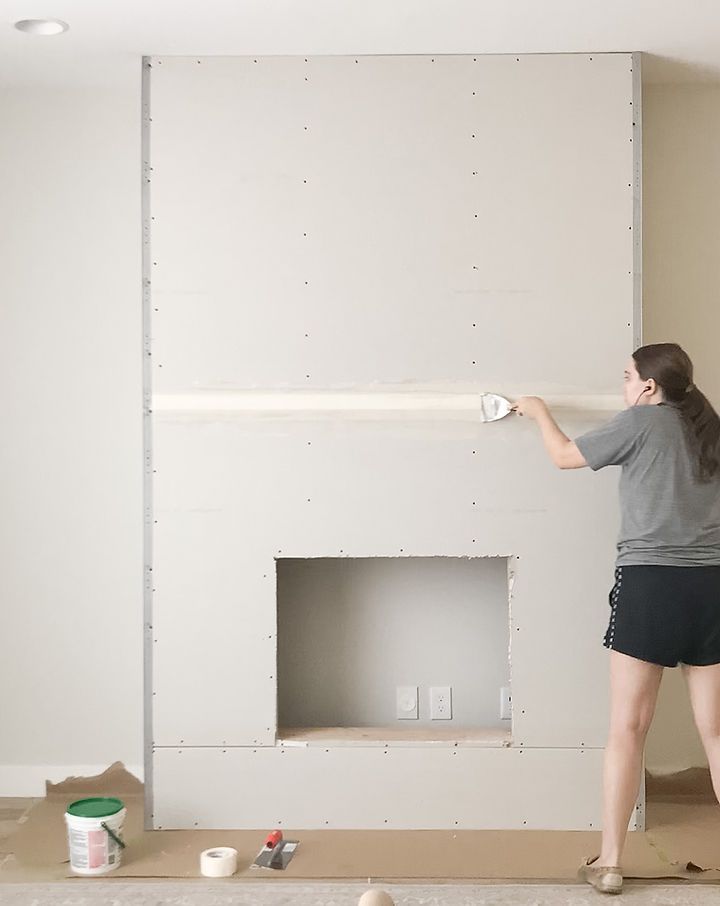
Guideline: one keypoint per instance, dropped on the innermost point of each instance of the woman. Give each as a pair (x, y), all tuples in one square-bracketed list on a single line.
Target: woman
[(665, 603)]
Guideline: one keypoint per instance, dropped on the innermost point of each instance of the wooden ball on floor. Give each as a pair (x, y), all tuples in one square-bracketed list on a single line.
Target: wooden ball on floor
[(376, 898)]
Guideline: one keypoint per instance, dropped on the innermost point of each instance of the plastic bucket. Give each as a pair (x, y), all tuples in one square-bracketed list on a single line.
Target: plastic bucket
[(93, 851)]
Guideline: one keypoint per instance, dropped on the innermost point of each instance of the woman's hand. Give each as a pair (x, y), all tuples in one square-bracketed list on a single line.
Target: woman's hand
[(531, 406)]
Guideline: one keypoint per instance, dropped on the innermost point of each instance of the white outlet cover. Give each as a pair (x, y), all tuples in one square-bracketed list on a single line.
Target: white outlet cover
[(441, 703), (505, 703)]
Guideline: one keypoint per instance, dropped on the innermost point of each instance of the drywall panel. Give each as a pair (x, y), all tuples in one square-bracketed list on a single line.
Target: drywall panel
[(230, 496), (375, 788), (342, 220)]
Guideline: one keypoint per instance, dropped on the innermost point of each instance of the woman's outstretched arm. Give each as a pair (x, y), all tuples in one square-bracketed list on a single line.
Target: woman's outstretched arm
[(561, 450)]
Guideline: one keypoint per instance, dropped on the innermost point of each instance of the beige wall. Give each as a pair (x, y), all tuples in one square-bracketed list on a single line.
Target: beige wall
[(681, 229), (71, 611)]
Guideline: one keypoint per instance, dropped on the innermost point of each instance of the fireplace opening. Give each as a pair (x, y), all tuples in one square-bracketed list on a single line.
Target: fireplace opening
[(363, 639)]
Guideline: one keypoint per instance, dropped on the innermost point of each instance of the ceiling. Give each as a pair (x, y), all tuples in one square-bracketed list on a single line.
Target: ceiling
[(680, 37)]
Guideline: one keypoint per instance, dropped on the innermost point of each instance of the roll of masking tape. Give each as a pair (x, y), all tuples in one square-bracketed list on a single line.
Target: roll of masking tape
[(220, 862)]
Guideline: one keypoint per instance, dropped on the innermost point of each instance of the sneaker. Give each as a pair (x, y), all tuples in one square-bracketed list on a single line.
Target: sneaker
[(606, 878)]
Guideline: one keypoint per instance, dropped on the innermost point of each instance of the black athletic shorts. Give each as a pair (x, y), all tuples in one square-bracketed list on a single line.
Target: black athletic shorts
[(666, 614)]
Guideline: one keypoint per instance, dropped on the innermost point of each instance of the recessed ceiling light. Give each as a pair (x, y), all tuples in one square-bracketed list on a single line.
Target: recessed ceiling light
[(42, 26)]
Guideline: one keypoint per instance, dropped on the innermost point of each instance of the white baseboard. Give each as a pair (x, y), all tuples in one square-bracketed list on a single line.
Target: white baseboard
[(28, 780)]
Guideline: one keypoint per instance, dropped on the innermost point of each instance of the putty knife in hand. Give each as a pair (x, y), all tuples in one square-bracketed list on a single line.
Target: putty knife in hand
[(493, 407)]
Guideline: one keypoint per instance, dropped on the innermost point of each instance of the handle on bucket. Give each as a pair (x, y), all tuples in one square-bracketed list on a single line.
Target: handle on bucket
[(114, 836)]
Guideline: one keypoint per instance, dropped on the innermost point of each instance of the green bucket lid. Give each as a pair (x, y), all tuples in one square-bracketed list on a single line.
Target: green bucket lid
[(98, 807)]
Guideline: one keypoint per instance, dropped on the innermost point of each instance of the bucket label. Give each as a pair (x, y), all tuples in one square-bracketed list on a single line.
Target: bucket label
[(92, 849), (79, 847), (97, 848)]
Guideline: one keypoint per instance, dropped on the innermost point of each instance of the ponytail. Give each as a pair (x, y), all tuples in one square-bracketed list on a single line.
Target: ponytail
[(702, 427)]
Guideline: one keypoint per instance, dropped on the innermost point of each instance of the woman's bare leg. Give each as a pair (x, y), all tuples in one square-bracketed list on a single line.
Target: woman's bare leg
[(634, 686), (703, 685)]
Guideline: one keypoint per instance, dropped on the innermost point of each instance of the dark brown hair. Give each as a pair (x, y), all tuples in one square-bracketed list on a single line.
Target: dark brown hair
[(670, 366)]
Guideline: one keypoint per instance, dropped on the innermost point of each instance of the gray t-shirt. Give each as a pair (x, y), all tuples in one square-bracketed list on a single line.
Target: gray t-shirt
[(668, 517)]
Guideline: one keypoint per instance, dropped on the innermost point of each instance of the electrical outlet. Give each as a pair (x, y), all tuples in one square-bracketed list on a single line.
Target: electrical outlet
[(440, 703), (505, 703), (406, 702)]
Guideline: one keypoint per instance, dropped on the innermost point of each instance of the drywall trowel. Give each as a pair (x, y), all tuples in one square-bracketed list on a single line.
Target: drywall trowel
[(493, 407), (276, 853)]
